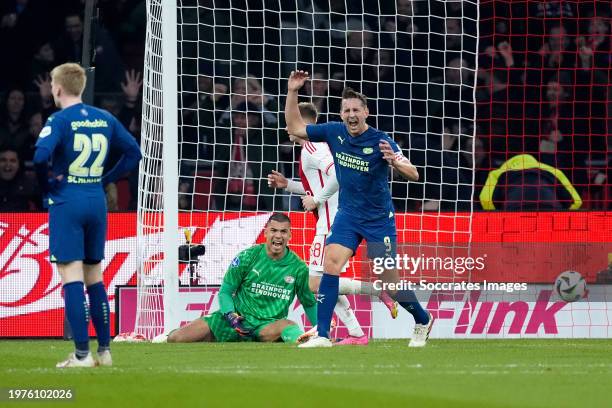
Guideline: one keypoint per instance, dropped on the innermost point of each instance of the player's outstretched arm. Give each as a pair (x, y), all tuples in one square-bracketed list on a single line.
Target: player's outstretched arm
[(295, 124), (399, 162), (278, 180)]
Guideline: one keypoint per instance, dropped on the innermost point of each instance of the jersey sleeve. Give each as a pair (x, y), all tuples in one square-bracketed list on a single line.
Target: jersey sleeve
[(51, 134), (318, 133)]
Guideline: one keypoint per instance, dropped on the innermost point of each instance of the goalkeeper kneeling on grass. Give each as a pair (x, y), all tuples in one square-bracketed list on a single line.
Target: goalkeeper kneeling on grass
[(257, 291)]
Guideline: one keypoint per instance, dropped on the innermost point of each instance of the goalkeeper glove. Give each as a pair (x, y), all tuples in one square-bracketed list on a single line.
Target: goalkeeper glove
[(235, 320)]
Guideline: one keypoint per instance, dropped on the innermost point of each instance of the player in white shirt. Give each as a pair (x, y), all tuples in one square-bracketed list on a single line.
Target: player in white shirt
[(319, 189)]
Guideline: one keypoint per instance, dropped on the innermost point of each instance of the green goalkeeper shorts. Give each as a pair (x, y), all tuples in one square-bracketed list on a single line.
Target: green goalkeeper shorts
[(223, 332)]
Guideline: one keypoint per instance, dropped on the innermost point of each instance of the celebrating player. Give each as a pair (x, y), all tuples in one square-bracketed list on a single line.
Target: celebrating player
[(77, 140), (256, 293), (362, 155), (319, 188)]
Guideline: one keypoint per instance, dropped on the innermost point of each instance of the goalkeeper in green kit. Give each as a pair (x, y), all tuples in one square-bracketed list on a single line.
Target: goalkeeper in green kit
[(256, 293)]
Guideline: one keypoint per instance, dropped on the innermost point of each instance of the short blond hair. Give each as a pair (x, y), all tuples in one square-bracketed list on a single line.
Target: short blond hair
[(71, 77), (308, 111)]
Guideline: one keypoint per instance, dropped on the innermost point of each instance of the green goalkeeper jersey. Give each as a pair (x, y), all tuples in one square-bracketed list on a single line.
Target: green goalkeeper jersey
[(263, 289)]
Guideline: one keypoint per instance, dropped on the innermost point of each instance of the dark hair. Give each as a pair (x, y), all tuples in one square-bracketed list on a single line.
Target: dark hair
[(9, 147), (278, 217), (350, 93), (307, 109)]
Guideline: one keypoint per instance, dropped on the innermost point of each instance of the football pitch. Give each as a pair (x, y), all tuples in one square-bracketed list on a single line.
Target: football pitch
[(446, 373)]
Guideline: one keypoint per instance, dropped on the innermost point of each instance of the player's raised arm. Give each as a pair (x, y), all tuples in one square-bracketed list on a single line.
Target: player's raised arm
[(278, 180), (398, 161), (295, 124)]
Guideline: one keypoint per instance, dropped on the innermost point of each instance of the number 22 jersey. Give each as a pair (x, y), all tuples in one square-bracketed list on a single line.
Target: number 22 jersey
[(78, 138)]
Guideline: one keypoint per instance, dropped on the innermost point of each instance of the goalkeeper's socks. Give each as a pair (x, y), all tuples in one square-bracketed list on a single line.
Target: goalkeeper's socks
[(291, 333), (100, 316), (407, 299), (326, 301), (76, 311)]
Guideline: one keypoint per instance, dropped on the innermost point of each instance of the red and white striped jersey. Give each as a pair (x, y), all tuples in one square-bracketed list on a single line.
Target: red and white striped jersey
[(315, 163)]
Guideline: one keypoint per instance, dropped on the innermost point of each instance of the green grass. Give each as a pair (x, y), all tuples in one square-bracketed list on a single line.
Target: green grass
[(447, 373)]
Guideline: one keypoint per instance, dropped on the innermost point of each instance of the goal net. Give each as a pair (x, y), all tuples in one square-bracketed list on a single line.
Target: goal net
[(416, 62)]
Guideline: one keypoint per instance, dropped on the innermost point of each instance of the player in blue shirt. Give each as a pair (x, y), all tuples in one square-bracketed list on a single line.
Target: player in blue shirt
[(362, 156), (77, 140)]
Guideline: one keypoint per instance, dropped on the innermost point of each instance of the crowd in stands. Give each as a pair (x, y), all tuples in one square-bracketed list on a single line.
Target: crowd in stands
[(37, 35), (543, 87)]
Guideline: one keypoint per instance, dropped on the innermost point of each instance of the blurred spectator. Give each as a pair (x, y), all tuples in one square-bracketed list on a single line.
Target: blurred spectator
[(474, 161), (249, 90), (360, 57), (127, 111), (598, 40), (13, 120), (501, 106), (458, 90), (202, 109), (556, 55), (554, 9), (454, 35), (244, 155), (556, 126), (43, 62), (26, 144), (69, 48), (210, 100), (22, 22), (17, 193), (318, 90), (47, 105)]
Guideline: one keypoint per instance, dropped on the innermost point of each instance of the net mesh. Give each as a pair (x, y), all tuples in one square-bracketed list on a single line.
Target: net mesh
[(149, 319), (544, 90), (539, 92), (415, 60)]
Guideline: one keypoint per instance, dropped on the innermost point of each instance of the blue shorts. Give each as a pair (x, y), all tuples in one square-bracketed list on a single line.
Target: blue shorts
[(77, 230), (380, 235)]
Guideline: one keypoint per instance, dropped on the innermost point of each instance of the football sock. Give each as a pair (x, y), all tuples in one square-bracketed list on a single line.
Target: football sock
[(355, 287), (407, 299), (348, 286), (291, 333), (76, 310), (99, 309), (326, 301), (347, 316)]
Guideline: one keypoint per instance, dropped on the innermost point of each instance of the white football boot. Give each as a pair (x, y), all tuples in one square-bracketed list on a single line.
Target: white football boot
[(160, 338), (421, 333), (73, 362), (316, 341), (105, 358)]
